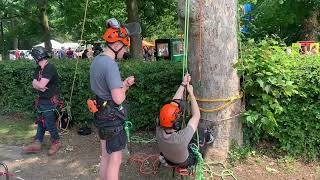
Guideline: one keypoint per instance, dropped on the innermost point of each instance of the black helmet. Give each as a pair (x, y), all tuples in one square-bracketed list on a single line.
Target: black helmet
[(39, 53)]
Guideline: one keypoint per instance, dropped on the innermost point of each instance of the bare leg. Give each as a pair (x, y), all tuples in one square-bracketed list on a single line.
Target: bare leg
[(114, 165), (110, 163), (103, 161)]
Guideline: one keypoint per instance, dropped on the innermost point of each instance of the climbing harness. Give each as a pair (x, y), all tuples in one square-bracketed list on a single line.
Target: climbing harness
[(62, 111)]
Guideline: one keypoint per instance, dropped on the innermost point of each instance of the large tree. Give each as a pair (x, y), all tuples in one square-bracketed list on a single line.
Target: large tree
[(135, 40), (36, 20), (219, 79), (44, 21)]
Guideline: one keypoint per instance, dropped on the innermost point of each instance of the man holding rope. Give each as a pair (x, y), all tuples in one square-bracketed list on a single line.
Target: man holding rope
[(173, 140)]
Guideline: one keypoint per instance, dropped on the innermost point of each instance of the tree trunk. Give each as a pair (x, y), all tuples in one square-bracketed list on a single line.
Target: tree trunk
[(135, 40), (3, 51), (15, 43), (219, 80), (311, 27), (43, 16)]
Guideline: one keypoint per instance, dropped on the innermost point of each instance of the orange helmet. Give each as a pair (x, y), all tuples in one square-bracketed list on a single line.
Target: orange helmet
[(113, 35), (169, 113)]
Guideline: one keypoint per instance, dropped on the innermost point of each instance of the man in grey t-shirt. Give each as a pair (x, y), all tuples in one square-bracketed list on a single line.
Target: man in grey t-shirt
[(173, 142), (110, 91)]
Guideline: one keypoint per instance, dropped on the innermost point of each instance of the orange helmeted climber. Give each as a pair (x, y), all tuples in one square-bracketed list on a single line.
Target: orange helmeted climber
[(169, 114), (174, 141)]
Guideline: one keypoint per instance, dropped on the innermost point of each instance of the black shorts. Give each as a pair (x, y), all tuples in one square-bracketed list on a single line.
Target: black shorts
[(116, 138)]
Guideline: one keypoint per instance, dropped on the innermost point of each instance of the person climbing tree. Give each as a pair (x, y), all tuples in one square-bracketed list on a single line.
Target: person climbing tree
[(173, 141), (110, 91), (45, 81)]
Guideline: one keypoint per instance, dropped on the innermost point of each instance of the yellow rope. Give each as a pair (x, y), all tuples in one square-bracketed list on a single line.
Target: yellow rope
[(227, 103), (84, 19), (75, 72)]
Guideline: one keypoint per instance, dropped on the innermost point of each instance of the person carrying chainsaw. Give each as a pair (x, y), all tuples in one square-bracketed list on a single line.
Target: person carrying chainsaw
[(110, 91), (174, 141), (45, 82)]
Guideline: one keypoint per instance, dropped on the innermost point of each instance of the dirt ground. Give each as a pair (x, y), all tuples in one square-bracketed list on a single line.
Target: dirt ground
[(79, 159)]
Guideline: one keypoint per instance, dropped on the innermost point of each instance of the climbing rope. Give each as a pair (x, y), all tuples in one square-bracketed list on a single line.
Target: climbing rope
[(207, 169), (6, 172), (136, 139), (143, 140), (148, 163), (196, 152), (127, 126), (227, 102), (76, 69), (186, 38)]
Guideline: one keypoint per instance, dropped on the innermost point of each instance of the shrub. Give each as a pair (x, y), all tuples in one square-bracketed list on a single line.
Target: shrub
[(156, 83), (282, 97)]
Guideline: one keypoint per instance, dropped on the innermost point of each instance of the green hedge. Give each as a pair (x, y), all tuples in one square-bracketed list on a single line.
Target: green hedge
[(282, 93), (156, 83), (282, 98)]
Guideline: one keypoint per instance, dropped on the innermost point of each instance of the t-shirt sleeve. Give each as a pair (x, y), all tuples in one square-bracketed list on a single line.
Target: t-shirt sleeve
[(49, 72), (186, 134), (113, 77)]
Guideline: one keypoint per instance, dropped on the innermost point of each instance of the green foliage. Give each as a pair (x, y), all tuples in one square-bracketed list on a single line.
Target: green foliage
[(282, 97), (239, 154), (21, 23), (156, 82), (267, 84), (285, 18)]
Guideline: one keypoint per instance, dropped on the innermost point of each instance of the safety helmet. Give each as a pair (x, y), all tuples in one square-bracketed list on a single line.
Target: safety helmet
[(39, 53), (116, 32), (169, 116)]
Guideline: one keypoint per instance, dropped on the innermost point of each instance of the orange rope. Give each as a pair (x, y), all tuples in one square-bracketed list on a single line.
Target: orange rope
[(149, 164), (146, 161)]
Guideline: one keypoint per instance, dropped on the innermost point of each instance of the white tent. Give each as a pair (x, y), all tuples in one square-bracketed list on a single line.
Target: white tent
[(55, 44), (71, 45)]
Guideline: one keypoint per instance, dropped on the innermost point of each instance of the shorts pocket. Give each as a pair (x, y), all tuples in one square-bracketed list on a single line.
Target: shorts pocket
[(117, 142)]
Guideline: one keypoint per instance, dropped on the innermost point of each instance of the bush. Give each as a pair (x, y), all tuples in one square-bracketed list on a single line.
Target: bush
[(156, 82), (282, 98)]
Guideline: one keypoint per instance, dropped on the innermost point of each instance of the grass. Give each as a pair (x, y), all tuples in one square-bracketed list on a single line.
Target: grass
[(16, 130), (287, 163)]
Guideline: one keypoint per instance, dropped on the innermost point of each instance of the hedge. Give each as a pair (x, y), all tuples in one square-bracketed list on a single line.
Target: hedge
[(282, 98), (156, 83), (282, 93)]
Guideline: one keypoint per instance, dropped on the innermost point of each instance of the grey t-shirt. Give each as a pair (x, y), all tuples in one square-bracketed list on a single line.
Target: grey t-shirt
[(104, 76), (174, 147)]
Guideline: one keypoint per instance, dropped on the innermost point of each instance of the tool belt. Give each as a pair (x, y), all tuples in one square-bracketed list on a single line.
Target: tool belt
[(109, 114)]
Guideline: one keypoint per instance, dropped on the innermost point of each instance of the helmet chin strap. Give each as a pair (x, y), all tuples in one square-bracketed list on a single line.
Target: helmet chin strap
[(114, 51)]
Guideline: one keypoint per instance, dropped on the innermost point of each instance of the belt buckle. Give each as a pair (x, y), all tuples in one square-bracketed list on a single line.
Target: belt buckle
[(105, 103)]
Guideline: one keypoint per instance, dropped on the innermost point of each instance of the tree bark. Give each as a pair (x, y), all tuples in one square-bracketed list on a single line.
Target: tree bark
[(311, 27), (219, 80), (43, 16), (15, 42), (135, 40), (3, 51)]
